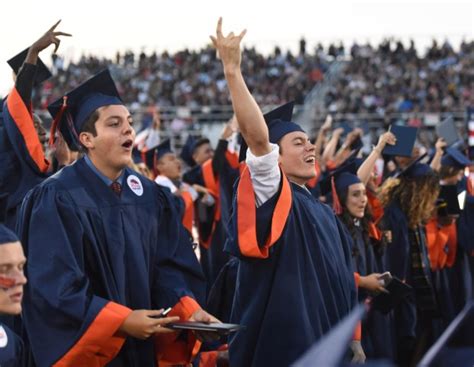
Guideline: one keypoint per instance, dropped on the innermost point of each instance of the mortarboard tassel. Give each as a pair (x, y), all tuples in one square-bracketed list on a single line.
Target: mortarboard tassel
[(56, 121), (336, 204)]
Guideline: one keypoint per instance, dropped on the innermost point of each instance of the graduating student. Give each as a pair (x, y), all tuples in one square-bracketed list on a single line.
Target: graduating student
[(169, 169), (295, 278), (408, 203), (107, 249), (455, 255), (12, 280), (350, 202), (22, 135), (217, 174)]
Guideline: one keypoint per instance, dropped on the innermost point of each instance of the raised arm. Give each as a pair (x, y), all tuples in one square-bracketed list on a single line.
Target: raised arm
[(25, 78), (250, 118), (345, 149), (365, 170), (330, 148), (436, 161), (321, 137)]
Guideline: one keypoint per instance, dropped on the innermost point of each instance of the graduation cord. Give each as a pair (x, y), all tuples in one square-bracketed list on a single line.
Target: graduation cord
[(56, 121)]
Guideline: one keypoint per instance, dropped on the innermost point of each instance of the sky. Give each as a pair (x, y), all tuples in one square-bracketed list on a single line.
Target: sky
[(102, 27)]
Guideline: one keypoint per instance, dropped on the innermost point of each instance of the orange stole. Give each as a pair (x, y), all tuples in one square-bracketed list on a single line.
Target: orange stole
[(24, 121), (247, 217)]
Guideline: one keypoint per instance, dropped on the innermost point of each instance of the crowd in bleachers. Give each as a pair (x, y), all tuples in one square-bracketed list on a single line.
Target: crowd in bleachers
[(118, 249), (193, 78), (391, 78), (378, 79)]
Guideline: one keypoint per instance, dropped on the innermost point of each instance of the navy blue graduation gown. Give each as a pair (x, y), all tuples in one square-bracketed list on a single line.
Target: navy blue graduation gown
[(464, 264), (378, 340), (11, 348), (218, 176), (22, 160), (411, 317), (93, 257), (295, 279)]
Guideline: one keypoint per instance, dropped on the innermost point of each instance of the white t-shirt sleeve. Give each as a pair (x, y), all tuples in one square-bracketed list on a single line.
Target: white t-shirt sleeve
[(265, 174), (166, 182)]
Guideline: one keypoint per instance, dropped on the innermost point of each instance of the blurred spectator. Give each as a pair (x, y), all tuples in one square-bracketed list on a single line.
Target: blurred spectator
[(382, 80), (192, 78), (392, 78)]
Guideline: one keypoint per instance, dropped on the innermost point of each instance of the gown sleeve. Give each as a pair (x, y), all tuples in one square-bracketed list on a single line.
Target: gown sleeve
[(180, 282), (59, 308)]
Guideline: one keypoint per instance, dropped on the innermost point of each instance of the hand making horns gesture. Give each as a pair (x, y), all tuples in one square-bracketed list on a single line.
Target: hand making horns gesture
[(228, 47), (50, 37)]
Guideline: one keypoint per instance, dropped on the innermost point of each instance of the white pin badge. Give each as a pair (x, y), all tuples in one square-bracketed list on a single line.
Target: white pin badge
[(3, 337), (135, 185)]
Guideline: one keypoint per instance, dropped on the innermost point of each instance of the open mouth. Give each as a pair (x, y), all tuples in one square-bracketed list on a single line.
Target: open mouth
[(128, 144), (310, 159)]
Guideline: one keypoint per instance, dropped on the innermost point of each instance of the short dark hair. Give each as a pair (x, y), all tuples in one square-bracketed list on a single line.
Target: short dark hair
[(200, 142), (448, 171), (89, 127)]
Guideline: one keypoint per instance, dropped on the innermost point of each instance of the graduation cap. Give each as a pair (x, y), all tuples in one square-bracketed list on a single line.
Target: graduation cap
[(454, 158), (339, 180), (406, 137), (42, 72), (279, 124), (7, 235), (448, 201), (448, 131), (72, 111), (330, 350), (152, 155), (187, 151), (137, 156), (455, 347), (415, 169), (163, 148)]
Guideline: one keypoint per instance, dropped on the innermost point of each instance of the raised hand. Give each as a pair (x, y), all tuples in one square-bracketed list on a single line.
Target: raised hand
[(385, 138), (229, 129), (327, 124), (440, 145), (49, 38), (228, 47)]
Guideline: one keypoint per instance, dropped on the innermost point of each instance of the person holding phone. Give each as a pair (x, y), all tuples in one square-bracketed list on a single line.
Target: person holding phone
[(350, 203), (107, 248)]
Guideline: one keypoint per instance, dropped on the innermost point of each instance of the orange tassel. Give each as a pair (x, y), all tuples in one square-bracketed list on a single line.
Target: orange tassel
[(336, 204), (56, 122)]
